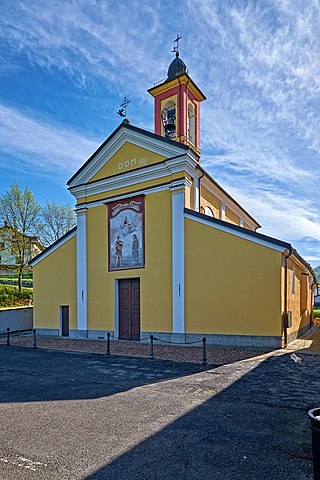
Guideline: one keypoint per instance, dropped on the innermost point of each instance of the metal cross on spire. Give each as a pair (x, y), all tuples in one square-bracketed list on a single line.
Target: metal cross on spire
[(123, 108), (176, 47)]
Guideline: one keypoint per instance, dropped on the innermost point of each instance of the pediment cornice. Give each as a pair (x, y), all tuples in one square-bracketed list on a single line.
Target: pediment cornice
[(126, 133)]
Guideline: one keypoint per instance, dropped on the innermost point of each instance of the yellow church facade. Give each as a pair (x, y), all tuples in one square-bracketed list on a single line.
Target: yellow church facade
[(161, 248)]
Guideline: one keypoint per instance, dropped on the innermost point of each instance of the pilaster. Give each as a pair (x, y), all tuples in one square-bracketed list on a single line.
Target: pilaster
[(178, 308), (82, 322)]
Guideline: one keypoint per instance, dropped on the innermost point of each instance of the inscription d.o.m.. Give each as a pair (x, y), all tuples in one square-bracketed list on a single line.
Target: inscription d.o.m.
[(127, 163)]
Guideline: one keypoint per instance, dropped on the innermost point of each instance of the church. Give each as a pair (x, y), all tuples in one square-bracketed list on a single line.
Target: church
[(161, 248)]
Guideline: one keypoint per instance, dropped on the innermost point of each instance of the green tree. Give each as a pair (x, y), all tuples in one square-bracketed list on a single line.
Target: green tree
[(56, 221), (20, 214)]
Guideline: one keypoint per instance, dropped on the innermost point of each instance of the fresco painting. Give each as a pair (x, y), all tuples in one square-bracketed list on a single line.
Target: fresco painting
[(126, 234)]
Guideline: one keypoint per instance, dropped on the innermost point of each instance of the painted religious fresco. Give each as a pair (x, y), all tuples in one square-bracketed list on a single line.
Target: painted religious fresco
[(126, 234)]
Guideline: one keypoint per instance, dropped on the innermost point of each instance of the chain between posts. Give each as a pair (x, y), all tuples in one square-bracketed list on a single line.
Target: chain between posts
[(152, 338)]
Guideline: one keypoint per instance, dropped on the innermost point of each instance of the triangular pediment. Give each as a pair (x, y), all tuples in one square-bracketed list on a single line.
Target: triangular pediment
[(129, 157), (128, 148)]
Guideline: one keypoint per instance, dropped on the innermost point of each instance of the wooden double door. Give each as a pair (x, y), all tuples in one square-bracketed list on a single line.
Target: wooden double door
[(129, 309)]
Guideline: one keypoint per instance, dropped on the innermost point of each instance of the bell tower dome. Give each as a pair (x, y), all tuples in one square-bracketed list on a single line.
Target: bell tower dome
[(177, 105)]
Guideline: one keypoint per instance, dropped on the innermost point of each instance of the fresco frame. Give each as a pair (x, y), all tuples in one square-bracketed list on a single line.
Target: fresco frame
[(115, 209)]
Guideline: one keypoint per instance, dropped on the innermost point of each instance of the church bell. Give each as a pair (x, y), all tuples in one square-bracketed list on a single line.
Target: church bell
[(170, 123)]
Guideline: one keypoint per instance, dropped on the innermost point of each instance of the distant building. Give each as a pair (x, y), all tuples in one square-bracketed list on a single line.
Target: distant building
[(9, 246), (317, 297)]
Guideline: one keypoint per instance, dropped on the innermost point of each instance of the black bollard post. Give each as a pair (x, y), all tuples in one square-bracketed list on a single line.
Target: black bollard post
[(34, 338), (204, 352), (151, 347), (108, 344), (8, 337)]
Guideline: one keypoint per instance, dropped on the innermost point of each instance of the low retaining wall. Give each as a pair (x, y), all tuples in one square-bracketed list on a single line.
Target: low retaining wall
[(19, 318), (218, 340)]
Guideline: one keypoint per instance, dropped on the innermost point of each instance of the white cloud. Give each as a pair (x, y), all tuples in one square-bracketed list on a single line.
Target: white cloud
[(88, 41), (288, 217), (39, 147), (260, 127), (257, 62)]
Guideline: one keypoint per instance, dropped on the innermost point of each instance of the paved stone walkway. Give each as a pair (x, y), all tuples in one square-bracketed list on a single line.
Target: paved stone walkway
[(309, 343), (176, 353), (283, 379)]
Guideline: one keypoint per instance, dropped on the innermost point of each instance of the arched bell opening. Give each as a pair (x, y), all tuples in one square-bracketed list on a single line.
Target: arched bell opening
[(169, 120), (191, 123)]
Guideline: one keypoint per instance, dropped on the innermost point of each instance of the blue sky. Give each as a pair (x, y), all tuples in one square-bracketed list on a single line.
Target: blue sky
[(66, 66)]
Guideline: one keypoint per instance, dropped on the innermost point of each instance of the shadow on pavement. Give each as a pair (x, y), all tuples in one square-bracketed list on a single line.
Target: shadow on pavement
[(249, 423), (255, 429), (47, 375)]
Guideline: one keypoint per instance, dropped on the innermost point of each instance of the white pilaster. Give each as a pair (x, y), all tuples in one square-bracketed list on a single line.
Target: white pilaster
[(223, 211), (196, 194), (178, 325), (82, 323)]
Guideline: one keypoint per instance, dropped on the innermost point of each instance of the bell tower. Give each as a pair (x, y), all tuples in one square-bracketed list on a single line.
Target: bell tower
[(177, 105)]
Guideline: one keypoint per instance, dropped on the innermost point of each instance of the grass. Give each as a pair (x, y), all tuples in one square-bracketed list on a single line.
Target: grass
[(15, 275), (317, 313), (11, 297), (12, 279)]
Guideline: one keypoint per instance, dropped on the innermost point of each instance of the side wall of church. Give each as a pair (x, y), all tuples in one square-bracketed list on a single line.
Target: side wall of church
[(208, 199), (299, 298), (55, 285), (233, 286)]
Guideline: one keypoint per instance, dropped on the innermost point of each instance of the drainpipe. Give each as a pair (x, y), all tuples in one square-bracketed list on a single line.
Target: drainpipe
[(285, 316), (200, 191)]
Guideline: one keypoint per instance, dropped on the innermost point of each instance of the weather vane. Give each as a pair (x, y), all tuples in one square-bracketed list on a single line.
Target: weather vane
[(176, 47), (123, 108)]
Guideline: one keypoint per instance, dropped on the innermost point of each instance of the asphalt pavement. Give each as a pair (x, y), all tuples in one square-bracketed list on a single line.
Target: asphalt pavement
[(67, 415)]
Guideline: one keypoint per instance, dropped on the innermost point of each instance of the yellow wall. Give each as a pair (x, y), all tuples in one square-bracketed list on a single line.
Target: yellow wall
[(299, 302), (54, 283), (188, 199), (132, 154), (211, 201), (218, 196), (232, 285), (208, 199), (245, 225), (155, 278), (232, 217)]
